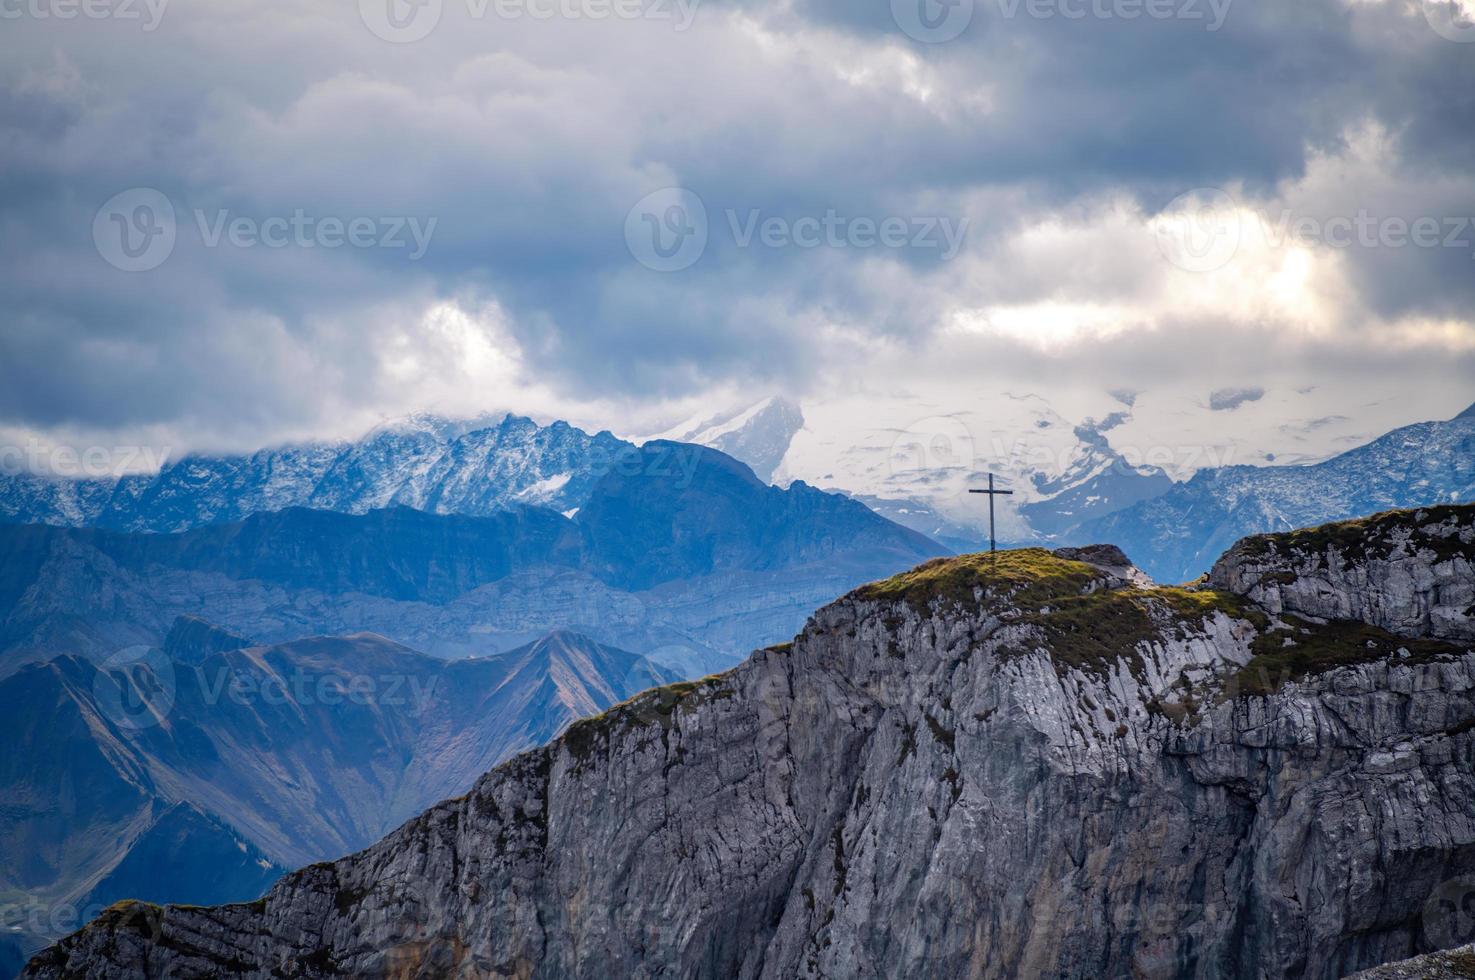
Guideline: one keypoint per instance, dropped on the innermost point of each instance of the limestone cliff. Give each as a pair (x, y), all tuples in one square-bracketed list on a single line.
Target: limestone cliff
[(1030, 765)]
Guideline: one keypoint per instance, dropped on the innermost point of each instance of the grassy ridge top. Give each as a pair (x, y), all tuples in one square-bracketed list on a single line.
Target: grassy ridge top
[(1024, 576)]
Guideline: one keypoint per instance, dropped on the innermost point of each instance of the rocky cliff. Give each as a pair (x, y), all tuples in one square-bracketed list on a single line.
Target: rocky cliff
[(1022, 765)]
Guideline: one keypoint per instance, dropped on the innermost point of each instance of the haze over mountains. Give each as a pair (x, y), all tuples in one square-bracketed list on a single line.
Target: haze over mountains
[(1178, 533)]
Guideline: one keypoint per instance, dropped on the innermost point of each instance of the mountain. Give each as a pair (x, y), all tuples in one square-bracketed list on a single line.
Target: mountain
[(201, 778), (1062, 469), (1179, 533), (758, 435), (476, 467), (679, 552), (1023, 765), (219, 866)]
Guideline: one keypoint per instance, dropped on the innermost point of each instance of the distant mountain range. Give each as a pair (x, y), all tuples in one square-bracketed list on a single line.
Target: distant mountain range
[(1176, 536), (475, 467), (1061, 472), (1084, 491), (193, 773), (675, 551), (758, 435)]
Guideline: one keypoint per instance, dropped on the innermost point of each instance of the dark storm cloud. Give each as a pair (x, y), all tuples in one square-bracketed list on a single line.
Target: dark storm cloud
[(528, 144)]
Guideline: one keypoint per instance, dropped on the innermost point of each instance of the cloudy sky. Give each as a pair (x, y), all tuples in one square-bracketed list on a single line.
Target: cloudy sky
[(229, 223)]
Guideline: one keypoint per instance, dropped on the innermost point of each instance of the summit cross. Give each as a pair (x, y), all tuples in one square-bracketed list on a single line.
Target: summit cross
[(992, 493)]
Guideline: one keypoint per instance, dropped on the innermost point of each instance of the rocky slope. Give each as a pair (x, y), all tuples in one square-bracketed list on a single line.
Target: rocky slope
[(1028, 765)]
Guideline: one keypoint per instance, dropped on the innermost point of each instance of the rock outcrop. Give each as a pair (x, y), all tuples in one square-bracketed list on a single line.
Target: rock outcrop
[(1018, 765), (1408, 572), (1453, 964)]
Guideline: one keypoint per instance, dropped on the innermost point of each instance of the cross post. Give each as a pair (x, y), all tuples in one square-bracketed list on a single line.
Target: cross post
[(992, 493)]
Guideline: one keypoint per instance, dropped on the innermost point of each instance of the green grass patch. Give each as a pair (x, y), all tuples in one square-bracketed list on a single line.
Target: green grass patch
[(1316, 648), (1023, 577)]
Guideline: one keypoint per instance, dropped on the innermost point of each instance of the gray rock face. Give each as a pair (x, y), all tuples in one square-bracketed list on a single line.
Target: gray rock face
[(1453, 964), (987, 767), (1407, 572)]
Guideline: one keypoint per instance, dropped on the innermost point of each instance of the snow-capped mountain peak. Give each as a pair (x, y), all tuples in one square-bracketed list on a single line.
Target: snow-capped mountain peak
[(759, 434)]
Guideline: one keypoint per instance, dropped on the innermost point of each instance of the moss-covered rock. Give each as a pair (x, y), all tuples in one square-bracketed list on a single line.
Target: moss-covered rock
[(1024, 577), (1374, 536), (1293, 651)]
